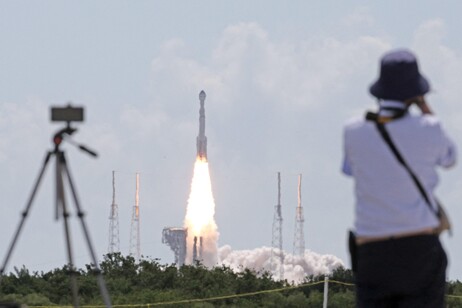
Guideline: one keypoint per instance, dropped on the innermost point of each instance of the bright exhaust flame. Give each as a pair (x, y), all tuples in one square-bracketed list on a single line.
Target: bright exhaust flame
[(199, 219)]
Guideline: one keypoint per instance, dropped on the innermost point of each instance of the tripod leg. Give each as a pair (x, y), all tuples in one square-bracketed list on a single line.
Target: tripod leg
[(24, 215), (62, 208), (81, 214)]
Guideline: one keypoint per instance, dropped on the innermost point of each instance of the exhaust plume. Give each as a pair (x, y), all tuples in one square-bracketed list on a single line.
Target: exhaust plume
[(199, 220)]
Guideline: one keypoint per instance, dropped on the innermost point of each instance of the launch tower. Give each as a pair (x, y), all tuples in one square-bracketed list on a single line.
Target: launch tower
[(135, 249), (114, 242), (299, 238), (277, 233)]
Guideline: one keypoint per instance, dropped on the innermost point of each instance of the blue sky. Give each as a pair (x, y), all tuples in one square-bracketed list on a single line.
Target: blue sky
[(281, 79)]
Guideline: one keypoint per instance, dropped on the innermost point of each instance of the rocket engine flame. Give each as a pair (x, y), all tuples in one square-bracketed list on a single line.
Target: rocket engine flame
[(199, 219)]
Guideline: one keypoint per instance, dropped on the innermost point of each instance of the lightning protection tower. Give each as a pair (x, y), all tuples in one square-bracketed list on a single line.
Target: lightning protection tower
[(114, 242), (299, 238), (135, 250), (277, 233)]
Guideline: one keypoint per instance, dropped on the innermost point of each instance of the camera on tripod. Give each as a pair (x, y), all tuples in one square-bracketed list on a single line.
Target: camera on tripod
[(67, 114)]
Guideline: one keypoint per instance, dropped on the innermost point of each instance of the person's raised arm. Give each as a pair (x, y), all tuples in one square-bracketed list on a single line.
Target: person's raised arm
[(421, 103)]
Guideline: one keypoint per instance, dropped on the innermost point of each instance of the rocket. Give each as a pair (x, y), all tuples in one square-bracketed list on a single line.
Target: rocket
[(201, 140)]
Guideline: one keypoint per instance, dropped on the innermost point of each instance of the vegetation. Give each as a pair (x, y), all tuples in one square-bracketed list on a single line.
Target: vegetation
[(148, 282)]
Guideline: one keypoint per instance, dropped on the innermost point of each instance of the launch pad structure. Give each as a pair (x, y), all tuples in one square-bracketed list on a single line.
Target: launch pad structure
[(175, 238), (299, 238), (114, 241), (135, 246), (277, 233)]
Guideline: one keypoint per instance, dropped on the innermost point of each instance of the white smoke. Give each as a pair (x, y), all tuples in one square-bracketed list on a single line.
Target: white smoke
[(296, 268)]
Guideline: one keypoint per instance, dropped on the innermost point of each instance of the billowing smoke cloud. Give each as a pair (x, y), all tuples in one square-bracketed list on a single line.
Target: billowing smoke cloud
[(296, 268)]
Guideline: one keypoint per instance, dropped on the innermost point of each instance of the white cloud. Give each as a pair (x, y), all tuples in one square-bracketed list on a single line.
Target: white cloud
[(360, 16), (143, 123), (442, 66), (19, 122), (247, 64)]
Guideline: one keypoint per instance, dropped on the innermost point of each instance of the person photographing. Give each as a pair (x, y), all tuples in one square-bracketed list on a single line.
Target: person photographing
[(392, 155)]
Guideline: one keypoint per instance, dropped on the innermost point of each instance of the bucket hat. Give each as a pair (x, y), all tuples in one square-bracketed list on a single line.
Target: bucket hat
[(399, 77)]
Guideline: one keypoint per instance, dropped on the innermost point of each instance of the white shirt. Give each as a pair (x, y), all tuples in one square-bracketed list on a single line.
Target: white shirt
[(387, 199)]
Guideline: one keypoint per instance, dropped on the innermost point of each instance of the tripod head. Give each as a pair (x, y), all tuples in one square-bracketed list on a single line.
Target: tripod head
[(60, 136), (68, 114)]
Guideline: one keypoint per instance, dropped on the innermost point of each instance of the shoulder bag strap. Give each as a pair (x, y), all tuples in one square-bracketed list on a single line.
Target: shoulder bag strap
[(384, 133)]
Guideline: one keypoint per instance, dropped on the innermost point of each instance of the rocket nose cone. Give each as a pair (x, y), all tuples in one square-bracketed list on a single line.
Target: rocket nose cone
[(202, 95)]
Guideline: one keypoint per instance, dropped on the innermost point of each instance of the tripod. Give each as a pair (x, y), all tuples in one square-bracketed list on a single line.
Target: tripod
[(62, 172)]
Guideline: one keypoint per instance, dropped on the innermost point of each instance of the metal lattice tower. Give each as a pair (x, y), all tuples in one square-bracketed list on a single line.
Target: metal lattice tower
[(135, 250), (277, 233), (299, 238), (114, 242)]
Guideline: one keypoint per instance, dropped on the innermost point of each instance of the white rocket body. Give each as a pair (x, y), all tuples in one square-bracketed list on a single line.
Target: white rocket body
[(201, 139)]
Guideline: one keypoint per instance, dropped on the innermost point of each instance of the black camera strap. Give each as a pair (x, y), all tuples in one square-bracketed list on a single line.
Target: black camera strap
[(386, 136)]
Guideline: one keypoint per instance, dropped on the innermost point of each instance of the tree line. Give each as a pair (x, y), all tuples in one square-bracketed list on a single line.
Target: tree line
[(147, 281)]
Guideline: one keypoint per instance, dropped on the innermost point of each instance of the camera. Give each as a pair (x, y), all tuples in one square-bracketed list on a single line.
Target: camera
[(67, 114)]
